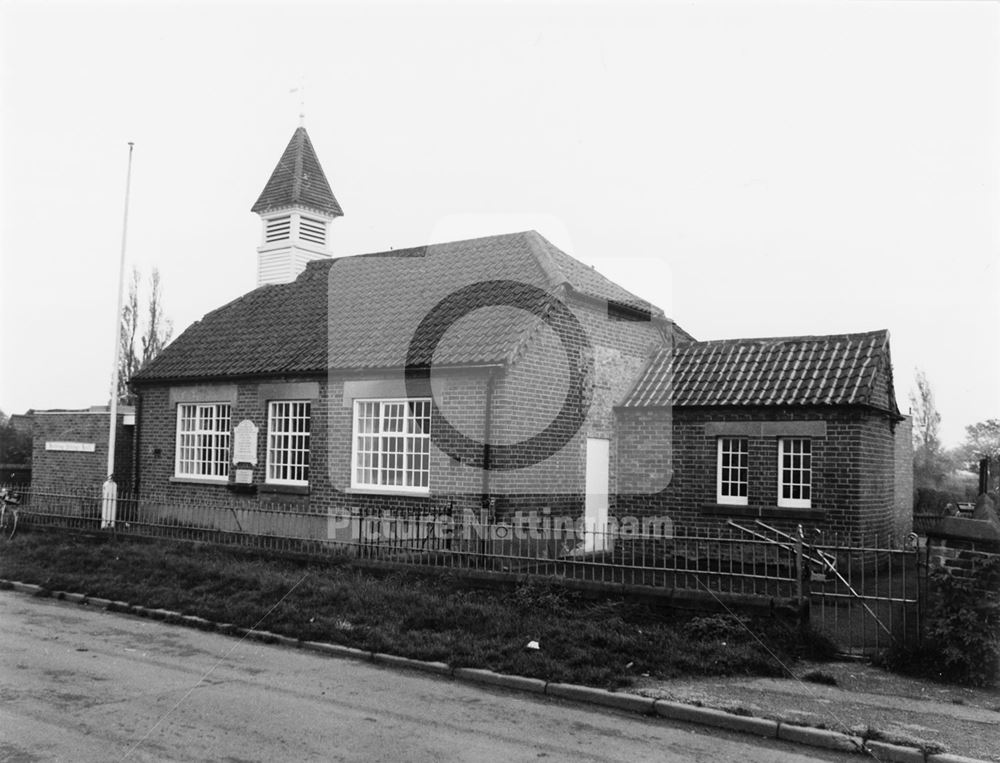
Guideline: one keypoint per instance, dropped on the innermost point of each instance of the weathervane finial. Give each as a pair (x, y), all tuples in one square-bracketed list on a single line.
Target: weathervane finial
[(301, 90)]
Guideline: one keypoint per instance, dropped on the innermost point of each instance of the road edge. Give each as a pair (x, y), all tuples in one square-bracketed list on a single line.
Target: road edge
[(631, 703)]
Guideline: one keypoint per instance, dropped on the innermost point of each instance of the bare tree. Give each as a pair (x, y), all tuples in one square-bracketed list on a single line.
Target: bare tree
[(15, 444), (159, 328), (930, 462), (982, 440), (128, 361), (144, 333)]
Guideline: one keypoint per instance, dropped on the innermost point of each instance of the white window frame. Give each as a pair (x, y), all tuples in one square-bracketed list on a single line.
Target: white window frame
[(220, 441), (723, 474), (409, 438), (801, 475), (289, 447)]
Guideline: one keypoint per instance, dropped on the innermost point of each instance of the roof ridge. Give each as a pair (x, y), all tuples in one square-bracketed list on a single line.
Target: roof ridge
[(397, 250), (790, 338), (538, 246), (625, 299), (835, 369), (297, 177)]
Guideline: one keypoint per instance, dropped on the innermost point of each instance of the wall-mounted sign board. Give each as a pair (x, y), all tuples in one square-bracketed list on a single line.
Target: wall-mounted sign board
[(71, 447)]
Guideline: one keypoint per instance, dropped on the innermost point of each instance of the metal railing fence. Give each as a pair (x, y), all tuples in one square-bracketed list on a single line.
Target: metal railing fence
[(652, 555), (863, 592)]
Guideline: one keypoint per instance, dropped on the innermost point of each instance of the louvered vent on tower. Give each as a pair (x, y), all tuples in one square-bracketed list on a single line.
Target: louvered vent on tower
[(278, 229), (312, 230), (296, 208)]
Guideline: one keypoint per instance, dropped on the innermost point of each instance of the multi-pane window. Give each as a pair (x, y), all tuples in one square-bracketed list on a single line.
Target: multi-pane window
[(392, 444), (794, 472), (288, 442), (733, 472), (203, 439)]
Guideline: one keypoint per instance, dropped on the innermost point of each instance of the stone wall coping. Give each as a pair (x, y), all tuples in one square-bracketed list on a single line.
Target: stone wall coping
[(961, 528)]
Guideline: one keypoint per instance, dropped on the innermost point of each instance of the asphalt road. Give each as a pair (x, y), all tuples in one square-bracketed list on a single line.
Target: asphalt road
[(81, 684)]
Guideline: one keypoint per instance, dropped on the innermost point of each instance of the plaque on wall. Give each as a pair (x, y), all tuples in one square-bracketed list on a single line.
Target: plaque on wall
[(245, 443), (71, 447), (244, 476)]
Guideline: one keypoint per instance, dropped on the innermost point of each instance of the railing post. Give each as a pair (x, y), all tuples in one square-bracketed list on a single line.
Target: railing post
[(799, 583), (359, 541)]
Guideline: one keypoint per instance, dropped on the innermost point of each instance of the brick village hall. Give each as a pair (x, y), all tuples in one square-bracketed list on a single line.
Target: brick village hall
[(500, 376)]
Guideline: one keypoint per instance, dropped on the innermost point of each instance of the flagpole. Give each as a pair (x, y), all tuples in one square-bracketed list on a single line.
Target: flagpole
[(110, 492)]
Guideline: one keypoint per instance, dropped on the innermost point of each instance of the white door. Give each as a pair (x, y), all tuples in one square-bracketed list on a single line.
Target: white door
[(596, 506)]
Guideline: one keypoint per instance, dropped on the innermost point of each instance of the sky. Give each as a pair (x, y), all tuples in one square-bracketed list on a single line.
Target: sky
[(755, 169)]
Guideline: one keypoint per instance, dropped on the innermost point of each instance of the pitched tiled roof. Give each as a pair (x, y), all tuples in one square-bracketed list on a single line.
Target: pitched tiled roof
[(842, 369), (373, 304), (298, 180), (583, 278)]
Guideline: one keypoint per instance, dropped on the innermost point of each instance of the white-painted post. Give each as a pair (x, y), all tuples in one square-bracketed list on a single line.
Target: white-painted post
[(110, 491)]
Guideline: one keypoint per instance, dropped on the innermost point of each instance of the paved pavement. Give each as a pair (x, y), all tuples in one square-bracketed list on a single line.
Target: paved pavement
[(908, 711), (82, 684)]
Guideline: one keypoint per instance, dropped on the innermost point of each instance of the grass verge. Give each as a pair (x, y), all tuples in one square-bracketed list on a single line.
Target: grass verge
[(601, 643)]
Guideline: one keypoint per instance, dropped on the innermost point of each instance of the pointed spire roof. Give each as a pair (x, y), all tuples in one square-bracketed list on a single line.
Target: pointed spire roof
[(298, 180)]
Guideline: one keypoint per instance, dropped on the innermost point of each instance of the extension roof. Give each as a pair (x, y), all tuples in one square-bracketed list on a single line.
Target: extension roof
[(361, 312), (841, 369), (298, 180)]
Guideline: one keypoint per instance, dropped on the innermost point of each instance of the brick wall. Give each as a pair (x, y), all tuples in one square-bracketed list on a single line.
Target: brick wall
[(875, 472), (453, 487), (644, 451), (526, 398), (903, 499), (853, 480), (331, 429), (72, 471), (530, 395)]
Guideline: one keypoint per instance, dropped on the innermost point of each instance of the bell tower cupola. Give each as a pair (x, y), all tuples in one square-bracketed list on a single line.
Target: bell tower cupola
[(296, 208)]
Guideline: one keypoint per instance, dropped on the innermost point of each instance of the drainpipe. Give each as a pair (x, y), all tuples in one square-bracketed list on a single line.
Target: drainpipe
[(136, 434), (486, 497)]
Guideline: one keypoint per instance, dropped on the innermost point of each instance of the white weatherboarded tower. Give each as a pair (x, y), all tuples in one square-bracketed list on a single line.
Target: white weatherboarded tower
[(296, 208)]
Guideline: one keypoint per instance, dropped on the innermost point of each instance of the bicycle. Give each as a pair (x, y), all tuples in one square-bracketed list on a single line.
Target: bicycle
[(8, 501)]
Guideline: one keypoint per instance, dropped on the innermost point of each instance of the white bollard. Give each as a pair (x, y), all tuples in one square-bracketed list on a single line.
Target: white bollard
[(109, 503)]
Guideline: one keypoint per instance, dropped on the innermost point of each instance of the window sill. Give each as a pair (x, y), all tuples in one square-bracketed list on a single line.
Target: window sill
[(195, 481), (762, 512), (292, 489), (377, 491)]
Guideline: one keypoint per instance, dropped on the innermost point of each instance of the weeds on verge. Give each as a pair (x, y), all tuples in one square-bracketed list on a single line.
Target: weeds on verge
[(962, 630), (819, 677), (605, 642)]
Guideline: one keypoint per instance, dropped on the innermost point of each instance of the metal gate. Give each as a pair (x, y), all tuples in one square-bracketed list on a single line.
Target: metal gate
[(864, 594), (868, 595)]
